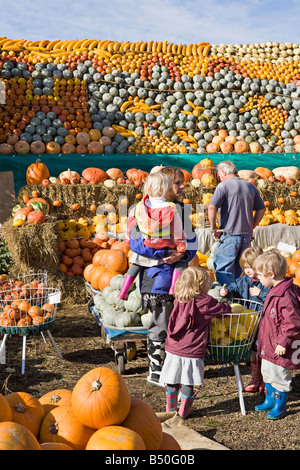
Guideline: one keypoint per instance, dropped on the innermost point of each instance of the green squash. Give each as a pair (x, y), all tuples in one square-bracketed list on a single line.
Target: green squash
[(127, 319), (117, 281), (100, 303), (133, 303), (146, 318), (214, 291), (109, 316), (39, 206), (16, 208)]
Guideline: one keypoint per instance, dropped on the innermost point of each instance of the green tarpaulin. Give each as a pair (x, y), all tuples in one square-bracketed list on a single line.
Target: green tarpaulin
[(58, 163)]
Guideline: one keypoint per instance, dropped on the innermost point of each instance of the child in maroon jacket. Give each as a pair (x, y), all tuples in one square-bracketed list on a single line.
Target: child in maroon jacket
[(187, 337), (279, 332)]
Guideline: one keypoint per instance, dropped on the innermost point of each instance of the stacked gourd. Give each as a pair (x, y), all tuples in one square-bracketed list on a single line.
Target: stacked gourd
[(106, 97), (121, 313), (97, 414)]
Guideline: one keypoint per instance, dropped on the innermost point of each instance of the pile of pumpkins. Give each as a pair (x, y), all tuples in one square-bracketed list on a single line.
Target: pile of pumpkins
[(155, 97), (120, 313), (97, 414)]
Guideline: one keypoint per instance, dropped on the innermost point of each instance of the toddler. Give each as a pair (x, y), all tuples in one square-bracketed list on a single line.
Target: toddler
[(250, 288), (279, 332), (159, 222), (187, 337)]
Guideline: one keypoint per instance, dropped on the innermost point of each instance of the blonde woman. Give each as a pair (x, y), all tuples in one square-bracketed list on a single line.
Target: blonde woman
[(159, 222), (187, 337), (157, 266)]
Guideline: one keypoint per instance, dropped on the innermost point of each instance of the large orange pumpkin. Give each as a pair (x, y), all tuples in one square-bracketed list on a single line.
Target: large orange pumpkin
[(5, 409), (26, 410), (116, 260), (94, 175), (121, 245), (101, 398), (54, 398), (15, 436), (142, 419), (61, 425), (115, 438), (36, 173), (199, 170)]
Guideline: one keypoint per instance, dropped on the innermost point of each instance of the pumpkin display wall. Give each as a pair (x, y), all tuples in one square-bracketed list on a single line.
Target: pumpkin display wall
[(106, 97)]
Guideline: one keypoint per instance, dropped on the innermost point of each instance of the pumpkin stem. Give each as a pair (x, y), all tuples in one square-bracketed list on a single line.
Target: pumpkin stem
[(53, 428), (20, 408), (55, 399), (96, 385)]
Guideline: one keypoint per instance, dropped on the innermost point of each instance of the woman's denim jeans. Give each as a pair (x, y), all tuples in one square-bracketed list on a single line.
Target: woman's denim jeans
[(227, 256)]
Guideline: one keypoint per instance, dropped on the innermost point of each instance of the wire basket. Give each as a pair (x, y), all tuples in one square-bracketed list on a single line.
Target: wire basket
[(23, 287), (35, 313), (231, 336)]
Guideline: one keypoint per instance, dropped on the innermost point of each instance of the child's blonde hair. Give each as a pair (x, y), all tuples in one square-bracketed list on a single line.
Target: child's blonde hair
[(191, 282), (271, 261), (158, 185), (249, 255)]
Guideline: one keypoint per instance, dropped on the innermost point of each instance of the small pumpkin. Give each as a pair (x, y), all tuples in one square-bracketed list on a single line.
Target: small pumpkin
[(36, 217)]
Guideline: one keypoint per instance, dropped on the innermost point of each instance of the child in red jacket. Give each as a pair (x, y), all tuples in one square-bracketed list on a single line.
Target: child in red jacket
[(279, 332), (187, 337)]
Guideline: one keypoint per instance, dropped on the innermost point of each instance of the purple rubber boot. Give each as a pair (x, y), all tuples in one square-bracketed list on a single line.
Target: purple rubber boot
[(128, 280), (175, 276)]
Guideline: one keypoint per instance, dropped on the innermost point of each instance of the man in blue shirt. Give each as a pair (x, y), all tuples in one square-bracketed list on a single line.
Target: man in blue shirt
[(240, 209)]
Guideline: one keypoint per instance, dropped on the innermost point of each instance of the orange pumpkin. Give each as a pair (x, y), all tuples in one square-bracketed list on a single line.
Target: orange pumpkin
[(94, 175), (121, 245), (36, 173), (101, 398), (296, 255), (241, 146), (264, 173), (114, 173), (15, 436), (26, 410), (100, 277), (142, 419), (5, 409), (62, 425), (115, 438), (116, 260), (54, 398)]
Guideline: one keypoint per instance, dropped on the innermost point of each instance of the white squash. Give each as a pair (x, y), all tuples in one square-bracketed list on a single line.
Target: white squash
[(287, 172)]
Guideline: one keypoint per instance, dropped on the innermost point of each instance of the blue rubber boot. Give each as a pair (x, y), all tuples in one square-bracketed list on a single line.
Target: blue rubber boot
[(269, 402), (279, 409)]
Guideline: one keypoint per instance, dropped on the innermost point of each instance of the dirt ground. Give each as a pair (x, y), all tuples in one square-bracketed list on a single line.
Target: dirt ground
[(216, 413)]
